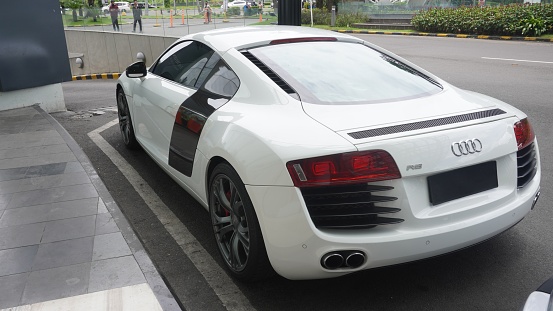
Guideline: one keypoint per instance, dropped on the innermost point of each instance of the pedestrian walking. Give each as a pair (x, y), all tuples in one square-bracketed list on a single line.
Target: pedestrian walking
[(114, 12), (137, 15), (207, 14)]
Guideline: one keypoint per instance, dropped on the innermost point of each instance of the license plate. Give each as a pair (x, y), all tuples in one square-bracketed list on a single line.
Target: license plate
[(462, 182)]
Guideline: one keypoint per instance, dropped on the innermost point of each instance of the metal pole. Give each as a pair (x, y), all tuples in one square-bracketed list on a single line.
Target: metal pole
[(333, 18), (311, 7)]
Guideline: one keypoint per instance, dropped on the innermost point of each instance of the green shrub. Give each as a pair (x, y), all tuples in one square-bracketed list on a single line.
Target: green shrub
[(320, 17), (323, 17), (515, 19), (233, 11)]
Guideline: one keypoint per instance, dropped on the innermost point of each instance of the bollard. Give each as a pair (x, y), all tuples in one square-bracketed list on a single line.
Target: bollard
[(182, 11), (171, 19), (156, 24)]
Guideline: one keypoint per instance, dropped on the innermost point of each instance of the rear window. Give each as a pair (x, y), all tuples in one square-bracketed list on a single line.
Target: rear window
[(348, 73)]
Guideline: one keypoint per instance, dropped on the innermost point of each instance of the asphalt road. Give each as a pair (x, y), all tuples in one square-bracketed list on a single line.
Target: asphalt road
[(495, 275)]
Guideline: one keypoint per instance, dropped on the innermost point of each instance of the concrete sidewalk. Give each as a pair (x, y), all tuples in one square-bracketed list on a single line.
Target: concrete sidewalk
[(64, 243)]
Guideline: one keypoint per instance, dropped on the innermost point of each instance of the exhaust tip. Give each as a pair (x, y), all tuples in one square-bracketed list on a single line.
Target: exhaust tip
[(332, 261), (536, 199), (355, 260)]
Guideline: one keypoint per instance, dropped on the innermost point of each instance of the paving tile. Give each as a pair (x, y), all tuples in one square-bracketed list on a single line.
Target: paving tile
[(13, 173), (113, 273), (63, 253), (37, 160), (25, 140), (12, 129), (46, 170), (48, 212), (73, 167), (105, 224), (4, 200), (56, 283), (43, 182), (24, 112), (11, 289), (53, 140), (33, 151), (110, 246), (102, 207), (17, 236), (59, 194), (36, 127), (67, 229), (17, 260)]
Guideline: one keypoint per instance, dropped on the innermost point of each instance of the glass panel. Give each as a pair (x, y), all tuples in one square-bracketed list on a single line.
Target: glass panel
[(352, 73), (183, 63), (223, 82)]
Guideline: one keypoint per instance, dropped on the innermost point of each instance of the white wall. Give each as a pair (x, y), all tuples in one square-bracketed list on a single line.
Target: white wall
[(49, 97), (111, 52)]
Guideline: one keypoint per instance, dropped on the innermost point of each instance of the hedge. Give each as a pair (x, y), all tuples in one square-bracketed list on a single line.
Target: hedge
[(509, 20), (323, 17)]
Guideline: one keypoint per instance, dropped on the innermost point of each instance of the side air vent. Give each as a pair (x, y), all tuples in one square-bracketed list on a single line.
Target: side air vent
[(349, 207), (271, 74), (526, 163), (426, 124)]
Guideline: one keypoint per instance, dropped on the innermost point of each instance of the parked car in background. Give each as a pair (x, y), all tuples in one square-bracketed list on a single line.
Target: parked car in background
[(236, 3), (123, 6), (320, 166), (142, 5)]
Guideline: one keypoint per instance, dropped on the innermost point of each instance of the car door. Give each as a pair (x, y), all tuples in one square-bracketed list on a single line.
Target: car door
[(217, 84), (157, 98)]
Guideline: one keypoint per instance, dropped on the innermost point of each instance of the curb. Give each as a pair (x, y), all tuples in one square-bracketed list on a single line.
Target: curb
[(97, 76), (448, 35)]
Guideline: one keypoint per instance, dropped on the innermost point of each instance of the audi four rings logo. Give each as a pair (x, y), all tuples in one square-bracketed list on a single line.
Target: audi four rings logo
[(466, 147)]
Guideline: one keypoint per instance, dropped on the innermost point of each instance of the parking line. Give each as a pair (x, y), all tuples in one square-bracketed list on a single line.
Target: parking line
[(223, 286), (518, 60)]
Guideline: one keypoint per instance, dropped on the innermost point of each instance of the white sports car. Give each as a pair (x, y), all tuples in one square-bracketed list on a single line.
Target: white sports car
[(320, 166)]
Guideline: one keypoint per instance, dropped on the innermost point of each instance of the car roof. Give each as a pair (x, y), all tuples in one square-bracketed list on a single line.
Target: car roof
[(245, 37)]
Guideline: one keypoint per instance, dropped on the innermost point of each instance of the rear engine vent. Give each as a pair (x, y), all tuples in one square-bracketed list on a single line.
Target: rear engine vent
[(425, 124), (271, 74), (349, 207), (526, 163)]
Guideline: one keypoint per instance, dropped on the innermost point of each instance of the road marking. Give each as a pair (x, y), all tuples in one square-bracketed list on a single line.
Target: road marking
[(518, 60), (223, 286)]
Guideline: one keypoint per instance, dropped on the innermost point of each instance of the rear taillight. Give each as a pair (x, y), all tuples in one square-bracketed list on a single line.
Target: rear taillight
[(353, 167), (524, 133)]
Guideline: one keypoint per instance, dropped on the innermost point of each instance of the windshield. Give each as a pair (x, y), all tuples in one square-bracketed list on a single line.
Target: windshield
[(348, 73)]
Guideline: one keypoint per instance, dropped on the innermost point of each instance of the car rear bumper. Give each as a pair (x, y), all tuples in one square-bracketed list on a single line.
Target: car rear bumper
[(296, 247)]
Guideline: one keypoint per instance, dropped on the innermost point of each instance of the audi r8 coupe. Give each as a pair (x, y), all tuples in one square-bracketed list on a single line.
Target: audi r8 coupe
[(350, 159)]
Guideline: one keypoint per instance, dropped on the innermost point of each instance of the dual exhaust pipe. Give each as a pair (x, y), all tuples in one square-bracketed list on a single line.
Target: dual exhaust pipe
[(343, 259), (355, 259)]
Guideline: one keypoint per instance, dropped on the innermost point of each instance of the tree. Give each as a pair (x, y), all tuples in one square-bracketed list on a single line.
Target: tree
[(74, 5), (92, 11)]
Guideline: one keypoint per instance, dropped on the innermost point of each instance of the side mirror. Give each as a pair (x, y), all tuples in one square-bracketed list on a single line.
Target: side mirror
[(136, 70)]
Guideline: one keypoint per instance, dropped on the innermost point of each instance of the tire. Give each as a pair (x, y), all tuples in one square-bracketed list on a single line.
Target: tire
[(125, 122), (235, 226)]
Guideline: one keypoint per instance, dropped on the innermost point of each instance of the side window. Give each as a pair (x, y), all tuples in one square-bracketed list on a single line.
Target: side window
[(222, 81), (184, 62)]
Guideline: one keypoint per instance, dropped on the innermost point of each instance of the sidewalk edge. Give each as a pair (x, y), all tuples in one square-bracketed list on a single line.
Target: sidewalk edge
[(152, 276)]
